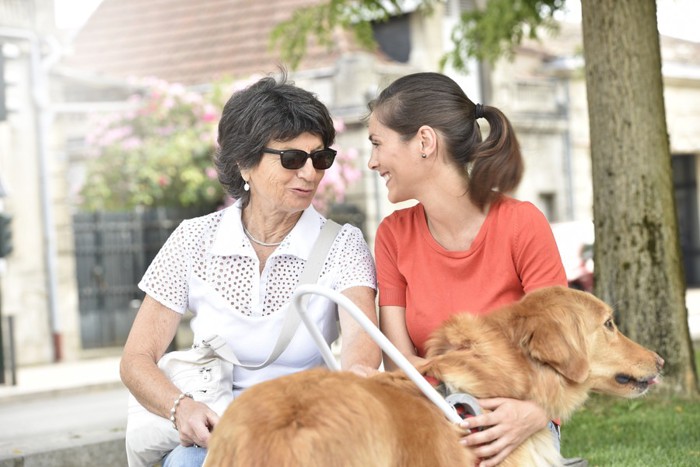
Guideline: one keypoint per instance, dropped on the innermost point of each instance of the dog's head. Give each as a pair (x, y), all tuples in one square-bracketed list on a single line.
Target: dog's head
[(574, 333), (569, 331)]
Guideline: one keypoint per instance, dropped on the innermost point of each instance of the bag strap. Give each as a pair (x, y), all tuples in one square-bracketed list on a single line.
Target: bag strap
[(310, 275)]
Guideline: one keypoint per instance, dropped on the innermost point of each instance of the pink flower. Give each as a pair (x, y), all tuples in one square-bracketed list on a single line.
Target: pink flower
[(177, 89), (114, 135), (339, 125), (210, 113), (351, 174), (131, 143)]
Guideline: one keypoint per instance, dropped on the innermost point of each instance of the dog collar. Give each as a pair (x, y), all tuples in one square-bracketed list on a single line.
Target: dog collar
[(464, 404), (438, 385)]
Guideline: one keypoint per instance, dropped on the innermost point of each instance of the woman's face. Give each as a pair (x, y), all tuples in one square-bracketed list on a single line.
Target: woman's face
[(395, 160), (276, 189)]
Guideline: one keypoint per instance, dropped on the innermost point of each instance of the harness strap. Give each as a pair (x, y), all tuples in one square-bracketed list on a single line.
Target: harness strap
[(464, 404)]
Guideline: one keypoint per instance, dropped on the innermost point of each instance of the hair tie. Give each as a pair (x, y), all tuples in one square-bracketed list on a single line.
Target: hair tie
[(478, 112)]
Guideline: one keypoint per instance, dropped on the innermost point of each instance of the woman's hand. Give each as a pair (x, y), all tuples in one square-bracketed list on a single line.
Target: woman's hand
[(195, 421), (505, 427)]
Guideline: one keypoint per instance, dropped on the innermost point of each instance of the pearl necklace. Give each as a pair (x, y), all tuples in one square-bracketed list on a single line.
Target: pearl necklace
[(255, 240)]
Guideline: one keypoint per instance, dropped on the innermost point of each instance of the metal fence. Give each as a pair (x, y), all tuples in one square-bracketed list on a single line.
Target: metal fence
[(113, 251)]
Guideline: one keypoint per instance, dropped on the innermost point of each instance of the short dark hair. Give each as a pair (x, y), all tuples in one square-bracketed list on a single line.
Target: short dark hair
[(494, 165), (267, 110)]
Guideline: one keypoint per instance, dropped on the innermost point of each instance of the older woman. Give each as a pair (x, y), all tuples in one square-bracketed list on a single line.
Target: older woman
[(236, 269)]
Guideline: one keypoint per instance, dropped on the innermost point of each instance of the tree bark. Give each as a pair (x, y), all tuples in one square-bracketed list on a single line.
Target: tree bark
[(637, 251)]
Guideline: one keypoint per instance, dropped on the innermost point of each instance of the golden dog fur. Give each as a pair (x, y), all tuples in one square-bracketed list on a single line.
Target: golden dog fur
[(553, 347)]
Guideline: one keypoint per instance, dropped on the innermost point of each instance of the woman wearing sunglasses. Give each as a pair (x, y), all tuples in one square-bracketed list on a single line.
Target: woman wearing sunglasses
[(236, 269)]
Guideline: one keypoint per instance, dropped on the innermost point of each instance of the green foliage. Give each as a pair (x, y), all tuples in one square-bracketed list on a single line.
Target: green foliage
[(159, 153), (482, 34), (650, 431), (320, 21), (495, 31)]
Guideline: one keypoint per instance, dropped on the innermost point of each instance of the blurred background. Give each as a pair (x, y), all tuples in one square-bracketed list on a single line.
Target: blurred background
[(108, 113)]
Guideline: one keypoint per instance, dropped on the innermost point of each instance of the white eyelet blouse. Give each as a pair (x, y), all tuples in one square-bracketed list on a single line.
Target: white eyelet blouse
[(209, 267)]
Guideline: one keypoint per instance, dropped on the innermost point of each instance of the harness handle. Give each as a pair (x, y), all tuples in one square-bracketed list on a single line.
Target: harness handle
[(376, 335)]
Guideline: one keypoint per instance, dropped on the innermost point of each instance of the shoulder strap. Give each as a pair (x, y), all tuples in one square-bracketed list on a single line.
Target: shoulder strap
[(319, 252), (311, 273)]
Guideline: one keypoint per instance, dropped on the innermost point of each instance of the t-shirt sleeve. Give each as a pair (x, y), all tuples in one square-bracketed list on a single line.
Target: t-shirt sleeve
[(536, 255), (390, 281), (166, 279), (356, 263)]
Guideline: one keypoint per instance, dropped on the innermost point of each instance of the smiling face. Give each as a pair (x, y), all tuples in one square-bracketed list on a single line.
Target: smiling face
[(395, 160), (276, 190)]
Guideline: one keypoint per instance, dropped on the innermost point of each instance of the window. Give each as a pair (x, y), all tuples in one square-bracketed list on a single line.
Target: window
[(548, 205), (685, 185), (394, 37)]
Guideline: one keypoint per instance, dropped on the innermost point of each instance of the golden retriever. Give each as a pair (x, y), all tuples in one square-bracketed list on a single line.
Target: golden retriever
[(553, 347)]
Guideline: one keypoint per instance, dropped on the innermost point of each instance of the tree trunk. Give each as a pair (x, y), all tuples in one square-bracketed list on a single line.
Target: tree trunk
[(637, 250)]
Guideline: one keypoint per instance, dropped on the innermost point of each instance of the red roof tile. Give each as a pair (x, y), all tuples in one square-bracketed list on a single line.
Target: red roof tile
[(186, 41)]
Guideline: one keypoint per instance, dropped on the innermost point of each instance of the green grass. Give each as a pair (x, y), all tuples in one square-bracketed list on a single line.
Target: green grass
[(636, 433), (648, 431)]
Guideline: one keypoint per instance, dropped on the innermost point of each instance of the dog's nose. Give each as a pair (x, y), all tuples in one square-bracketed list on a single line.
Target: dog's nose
[(659, 362)]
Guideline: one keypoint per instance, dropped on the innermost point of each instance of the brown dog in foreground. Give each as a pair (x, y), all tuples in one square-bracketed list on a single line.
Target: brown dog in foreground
[(553, 347)]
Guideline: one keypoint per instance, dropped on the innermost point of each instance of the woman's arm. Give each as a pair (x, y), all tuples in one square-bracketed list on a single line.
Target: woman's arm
[(392, 321), (153, 330), (359, 352)]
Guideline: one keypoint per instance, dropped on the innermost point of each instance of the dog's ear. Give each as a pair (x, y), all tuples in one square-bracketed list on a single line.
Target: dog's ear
[(557, 339)]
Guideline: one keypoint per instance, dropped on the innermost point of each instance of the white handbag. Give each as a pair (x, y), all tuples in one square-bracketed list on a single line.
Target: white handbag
[(206, 372), (199, 371)]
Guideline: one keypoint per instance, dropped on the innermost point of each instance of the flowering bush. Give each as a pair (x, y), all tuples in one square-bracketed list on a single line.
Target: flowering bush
[(342, 173), (159, 153)]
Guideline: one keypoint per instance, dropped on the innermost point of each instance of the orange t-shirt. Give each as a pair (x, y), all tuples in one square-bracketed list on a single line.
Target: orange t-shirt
[(513, 253)]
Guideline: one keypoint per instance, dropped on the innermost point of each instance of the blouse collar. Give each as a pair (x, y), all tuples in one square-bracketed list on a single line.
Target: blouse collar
[(230, 239)]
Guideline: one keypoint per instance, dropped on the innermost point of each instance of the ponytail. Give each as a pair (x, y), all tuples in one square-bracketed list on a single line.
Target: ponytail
[(496, 165)]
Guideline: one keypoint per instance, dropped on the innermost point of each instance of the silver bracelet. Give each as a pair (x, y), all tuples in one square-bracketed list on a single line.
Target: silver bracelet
[(175, 404)]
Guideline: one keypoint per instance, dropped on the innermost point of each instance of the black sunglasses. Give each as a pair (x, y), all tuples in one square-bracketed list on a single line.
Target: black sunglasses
[(294, 159)]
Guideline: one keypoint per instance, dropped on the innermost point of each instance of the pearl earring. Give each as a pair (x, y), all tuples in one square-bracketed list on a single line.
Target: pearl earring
[(246, 187), (424, 155)]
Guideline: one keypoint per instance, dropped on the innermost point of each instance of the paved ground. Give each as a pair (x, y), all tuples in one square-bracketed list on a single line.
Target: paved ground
[(66, 414), (55, 378), (69, 414)]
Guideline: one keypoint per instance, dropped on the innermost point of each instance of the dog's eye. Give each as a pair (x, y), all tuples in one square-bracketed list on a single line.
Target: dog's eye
[(609, 324)]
